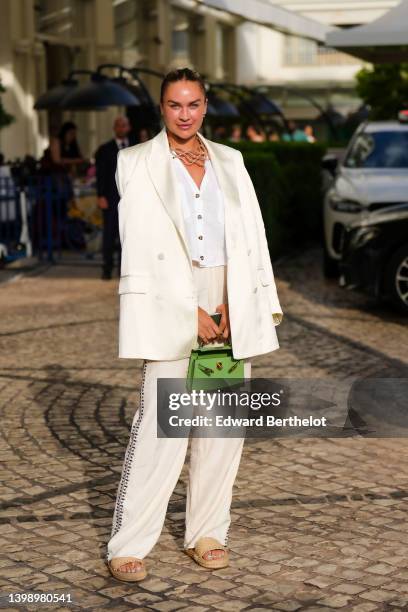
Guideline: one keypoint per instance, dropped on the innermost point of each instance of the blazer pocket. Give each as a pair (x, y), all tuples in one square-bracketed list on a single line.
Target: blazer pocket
[(134, 283)]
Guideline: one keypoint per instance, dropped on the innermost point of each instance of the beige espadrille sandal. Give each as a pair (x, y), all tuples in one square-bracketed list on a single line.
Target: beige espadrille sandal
[(133, 576), (203, 546)]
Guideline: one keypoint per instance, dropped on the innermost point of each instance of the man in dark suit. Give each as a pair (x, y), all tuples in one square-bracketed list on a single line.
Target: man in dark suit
[(108, 197)]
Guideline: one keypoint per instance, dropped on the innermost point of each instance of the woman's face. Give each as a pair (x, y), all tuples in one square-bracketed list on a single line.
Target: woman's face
[(183, 108)]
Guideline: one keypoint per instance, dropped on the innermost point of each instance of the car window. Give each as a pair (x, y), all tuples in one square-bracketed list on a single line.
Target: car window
[(379, 150)]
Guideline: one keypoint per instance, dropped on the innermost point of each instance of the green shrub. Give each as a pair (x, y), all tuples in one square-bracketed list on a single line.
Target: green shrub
[(269, 185), (287, 180)]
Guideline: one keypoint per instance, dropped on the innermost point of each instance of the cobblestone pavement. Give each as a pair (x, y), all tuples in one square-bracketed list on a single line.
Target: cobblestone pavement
[(318, 524)]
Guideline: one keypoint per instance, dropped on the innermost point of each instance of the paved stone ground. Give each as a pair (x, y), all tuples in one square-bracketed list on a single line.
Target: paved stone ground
[(318, 524)]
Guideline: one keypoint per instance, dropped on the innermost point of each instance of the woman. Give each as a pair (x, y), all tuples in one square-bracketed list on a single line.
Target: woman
[(64, 153), (60, 161), (190, 228)]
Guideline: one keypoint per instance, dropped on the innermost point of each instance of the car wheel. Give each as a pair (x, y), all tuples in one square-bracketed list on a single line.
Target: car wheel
[(396, 279), (330, 265)]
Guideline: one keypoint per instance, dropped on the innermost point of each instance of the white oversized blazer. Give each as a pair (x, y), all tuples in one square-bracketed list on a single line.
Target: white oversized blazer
[(158, 300)]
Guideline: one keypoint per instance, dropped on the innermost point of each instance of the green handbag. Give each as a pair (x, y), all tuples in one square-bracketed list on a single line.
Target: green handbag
[(212, 368)]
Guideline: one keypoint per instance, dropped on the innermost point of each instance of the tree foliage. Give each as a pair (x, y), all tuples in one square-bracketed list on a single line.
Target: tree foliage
[(384, 88)]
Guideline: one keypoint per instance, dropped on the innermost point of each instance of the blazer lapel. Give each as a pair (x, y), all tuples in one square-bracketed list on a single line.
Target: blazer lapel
[(158, 165), (224, 169)]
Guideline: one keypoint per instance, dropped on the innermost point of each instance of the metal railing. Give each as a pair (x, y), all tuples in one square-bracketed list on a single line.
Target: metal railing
[(34, 217)]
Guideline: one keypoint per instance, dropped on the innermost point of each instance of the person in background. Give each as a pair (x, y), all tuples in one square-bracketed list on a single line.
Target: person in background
[(220, 133), (108, 196), (236, 133), (64, 151), (254, 134), (294, 134), (62, 159), (273, 136), (308, 129)]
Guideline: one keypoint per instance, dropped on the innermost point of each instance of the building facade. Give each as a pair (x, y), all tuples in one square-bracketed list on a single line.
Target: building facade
[(293, 64), (43, 40)]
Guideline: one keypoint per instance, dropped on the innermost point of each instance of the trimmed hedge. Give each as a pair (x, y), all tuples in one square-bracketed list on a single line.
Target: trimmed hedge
[(271, 190), (287, 180)]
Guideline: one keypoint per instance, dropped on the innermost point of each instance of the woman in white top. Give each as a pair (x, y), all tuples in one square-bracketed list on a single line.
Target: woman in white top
[(190, 227)]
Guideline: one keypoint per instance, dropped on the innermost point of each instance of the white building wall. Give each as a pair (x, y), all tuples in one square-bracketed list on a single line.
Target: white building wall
[(259, 52), (260, 58)]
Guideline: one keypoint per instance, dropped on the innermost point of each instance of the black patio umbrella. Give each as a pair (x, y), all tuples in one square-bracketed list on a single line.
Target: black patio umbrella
[(52, 98), (99, 93), (263, 105), (220, 108)]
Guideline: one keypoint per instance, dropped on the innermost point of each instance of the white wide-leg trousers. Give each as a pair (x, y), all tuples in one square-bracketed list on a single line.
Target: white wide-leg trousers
[(152, 465)]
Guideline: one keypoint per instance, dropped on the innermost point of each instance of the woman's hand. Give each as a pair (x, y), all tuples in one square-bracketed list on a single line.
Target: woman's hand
[(208, 330), (225, 322)]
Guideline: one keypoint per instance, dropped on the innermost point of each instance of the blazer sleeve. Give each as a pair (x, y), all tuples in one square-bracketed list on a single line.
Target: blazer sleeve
[(120, 184), (262, 241)]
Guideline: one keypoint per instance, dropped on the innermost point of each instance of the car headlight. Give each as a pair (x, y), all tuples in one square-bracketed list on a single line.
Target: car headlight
[(344, 205), (364, 235)]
